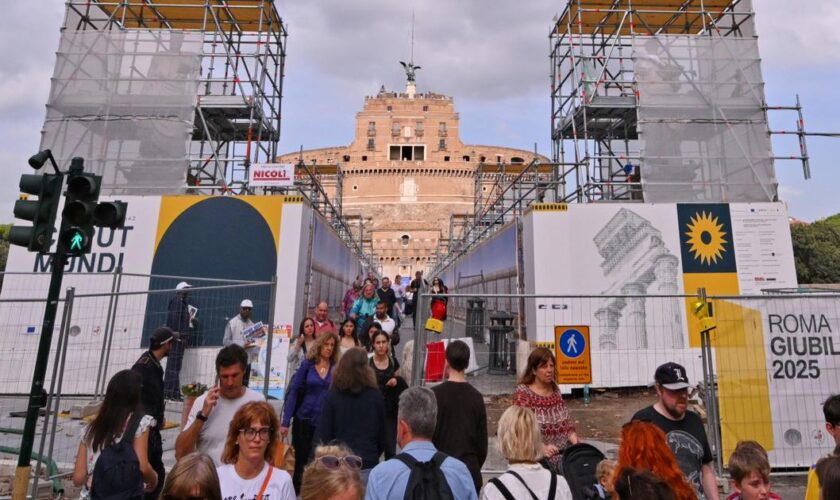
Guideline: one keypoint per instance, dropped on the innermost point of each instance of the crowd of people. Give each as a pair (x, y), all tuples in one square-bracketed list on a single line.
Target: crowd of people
[(352, 428)]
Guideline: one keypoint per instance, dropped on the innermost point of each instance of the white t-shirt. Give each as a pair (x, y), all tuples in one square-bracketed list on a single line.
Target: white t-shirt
[(214, 432), (235, 488), (537, 478), (388, 324)]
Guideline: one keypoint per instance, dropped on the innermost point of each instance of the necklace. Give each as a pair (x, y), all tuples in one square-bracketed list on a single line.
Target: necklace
[(322, 369)]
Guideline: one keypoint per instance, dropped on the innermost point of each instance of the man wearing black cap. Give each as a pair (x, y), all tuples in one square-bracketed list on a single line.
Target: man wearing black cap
[(683, 429), (148, 366)]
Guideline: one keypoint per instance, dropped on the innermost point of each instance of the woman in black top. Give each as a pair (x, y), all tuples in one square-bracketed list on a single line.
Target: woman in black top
[(353, 412), (387, 370)]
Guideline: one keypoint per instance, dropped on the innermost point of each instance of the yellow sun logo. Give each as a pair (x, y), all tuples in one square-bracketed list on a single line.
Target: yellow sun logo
[(706, 237)]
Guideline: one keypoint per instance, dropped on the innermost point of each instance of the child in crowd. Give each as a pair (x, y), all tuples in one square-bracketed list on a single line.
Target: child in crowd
[(831, 412), (749, 469), (604, 472)]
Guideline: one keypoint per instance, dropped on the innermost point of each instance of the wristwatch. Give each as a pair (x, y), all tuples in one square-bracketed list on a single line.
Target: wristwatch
[(200, 416)]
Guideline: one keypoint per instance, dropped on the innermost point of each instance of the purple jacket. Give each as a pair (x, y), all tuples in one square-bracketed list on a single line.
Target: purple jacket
[(306, 394)]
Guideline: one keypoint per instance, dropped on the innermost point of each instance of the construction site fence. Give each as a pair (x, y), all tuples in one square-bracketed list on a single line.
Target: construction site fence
[(103, 326), (760, 366)]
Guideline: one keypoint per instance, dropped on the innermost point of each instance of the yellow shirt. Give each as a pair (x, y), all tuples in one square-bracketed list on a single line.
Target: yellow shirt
[(812, 491)]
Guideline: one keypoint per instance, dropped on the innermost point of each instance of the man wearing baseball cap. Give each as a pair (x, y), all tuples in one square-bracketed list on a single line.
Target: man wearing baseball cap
[(683, 429), (161, 342), (233, 335)]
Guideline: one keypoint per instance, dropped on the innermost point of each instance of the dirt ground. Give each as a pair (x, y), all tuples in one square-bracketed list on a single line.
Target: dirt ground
[(600, 420)]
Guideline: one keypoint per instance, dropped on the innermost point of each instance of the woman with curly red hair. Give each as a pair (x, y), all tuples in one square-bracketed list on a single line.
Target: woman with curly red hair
[(643, 446)]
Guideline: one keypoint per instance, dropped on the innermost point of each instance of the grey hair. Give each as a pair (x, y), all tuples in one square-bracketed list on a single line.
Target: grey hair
[(418, 408)]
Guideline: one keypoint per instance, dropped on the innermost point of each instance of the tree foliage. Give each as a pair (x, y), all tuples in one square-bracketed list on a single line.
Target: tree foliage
[(816, 251)]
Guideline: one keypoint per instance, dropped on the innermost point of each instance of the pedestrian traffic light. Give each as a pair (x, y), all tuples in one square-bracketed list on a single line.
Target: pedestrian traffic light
[(41, 212), (77, 218)]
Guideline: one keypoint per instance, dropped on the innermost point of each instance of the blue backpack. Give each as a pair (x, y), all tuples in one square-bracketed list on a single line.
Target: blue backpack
[(116, 474)]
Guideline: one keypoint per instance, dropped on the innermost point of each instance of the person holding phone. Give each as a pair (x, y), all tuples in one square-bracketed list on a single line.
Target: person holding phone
[(211, 414)]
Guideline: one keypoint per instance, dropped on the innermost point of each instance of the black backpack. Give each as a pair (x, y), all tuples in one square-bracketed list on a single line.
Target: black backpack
[(426, 480), (116, 474), (580, 462)]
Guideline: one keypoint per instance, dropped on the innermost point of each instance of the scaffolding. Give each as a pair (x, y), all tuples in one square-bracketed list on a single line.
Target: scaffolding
[(241, 48), (502, 193), (660, 101)]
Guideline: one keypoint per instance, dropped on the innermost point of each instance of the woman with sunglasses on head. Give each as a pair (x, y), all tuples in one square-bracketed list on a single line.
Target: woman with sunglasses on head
[(348, 338), (333, 475), (193, 477), (387, 371), (251, 441), (353, 411)]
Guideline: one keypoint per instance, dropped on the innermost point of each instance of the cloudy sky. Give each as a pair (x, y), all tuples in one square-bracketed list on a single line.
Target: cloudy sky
[(491, 56)]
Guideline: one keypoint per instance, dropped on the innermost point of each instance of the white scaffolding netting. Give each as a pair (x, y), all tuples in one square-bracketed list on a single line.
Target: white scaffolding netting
[(125, 102), (702, 126)]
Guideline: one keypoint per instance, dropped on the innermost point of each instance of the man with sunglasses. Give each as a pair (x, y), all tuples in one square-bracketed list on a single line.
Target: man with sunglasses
[(683, 429), (392, 479), (233, 335)]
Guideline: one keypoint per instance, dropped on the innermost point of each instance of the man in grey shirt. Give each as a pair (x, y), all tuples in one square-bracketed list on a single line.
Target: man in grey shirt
[(233, 335)]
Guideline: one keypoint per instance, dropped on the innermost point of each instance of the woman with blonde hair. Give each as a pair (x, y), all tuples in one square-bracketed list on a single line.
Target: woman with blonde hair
[(333, 475), (249, 448), (306, 399), (643, 447), (194, 476), (521, 444)]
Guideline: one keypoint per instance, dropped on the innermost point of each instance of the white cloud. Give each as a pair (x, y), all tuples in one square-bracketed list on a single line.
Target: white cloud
[(797, 35)]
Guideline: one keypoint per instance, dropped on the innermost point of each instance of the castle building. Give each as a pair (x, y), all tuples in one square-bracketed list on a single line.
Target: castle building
[(407, 175)]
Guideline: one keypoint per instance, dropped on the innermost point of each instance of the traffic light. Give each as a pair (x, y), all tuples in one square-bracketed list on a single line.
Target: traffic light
[(77, 218), (82, 210), (41, 212)]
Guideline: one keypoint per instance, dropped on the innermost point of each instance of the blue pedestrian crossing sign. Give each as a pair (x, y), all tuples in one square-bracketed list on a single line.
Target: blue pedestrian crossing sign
[(574, 361)]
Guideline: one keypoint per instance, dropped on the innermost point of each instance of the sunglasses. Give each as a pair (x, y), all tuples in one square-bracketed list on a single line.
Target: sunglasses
[(332, 462), (246, 308)]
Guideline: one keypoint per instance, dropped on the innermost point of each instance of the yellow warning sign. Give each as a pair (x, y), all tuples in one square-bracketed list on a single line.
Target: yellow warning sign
[(574, 360)]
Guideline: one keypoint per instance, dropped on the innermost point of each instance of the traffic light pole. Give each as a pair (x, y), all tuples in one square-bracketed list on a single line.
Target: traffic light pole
[(24, 469)]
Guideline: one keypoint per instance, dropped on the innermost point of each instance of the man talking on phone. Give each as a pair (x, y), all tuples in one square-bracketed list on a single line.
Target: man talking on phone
[(207, 424)]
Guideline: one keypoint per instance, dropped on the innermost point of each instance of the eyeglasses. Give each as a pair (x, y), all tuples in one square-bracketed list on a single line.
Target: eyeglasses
[(251, 433), (333, 462), (185, 497)]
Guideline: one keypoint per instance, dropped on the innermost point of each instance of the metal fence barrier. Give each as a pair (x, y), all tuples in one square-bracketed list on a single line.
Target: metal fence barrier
[(761, 373), (104, 328)]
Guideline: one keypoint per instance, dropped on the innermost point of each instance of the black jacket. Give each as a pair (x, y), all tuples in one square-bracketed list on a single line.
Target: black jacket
[(151, 395)]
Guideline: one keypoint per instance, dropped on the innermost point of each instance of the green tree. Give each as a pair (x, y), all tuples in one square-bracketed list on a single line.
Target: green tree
[(816, 251)]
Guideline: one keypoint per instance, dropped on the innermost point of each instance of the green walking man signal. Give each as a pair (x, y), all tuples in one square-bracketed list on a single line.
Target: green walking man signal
[(76, 241)]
